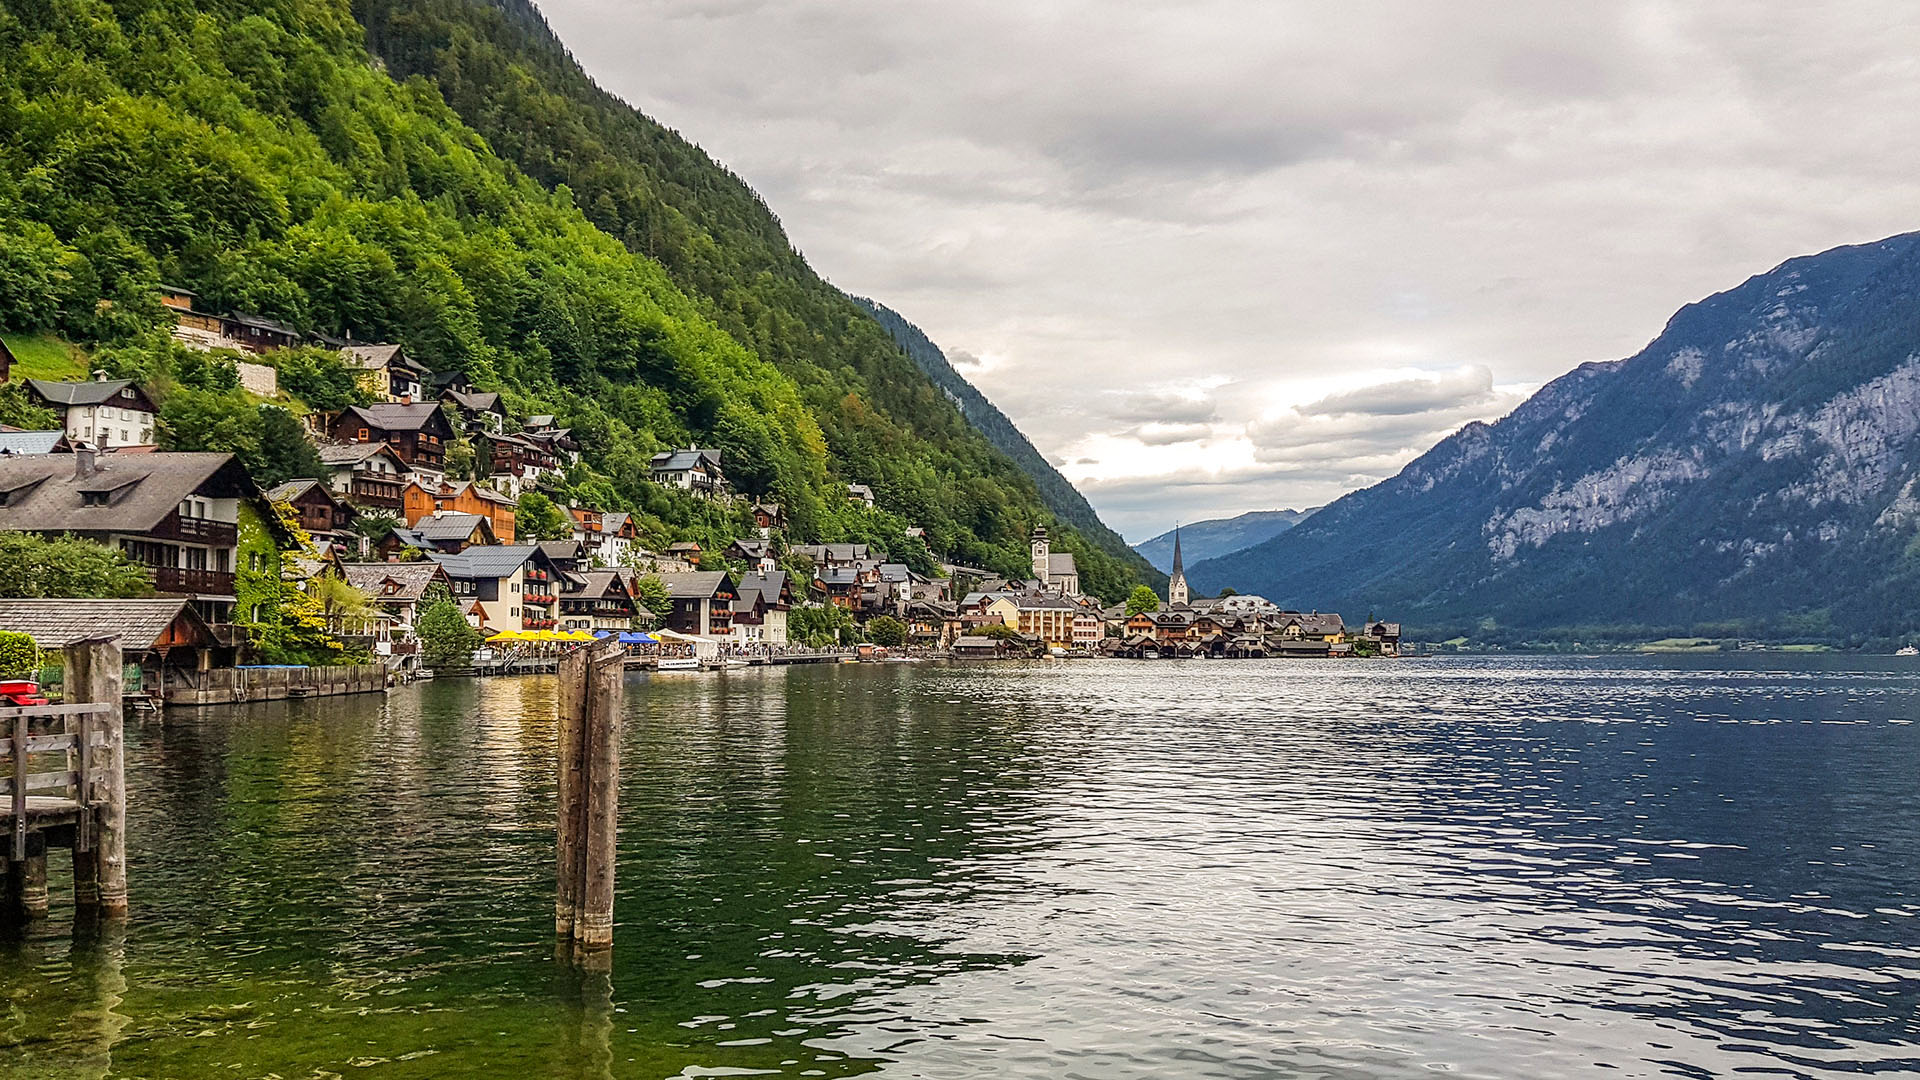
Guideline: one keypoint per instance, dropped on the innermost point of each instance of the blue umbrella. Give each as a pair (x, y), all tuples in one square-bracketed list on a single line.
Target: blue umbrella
[(636, 639), (604, 634)]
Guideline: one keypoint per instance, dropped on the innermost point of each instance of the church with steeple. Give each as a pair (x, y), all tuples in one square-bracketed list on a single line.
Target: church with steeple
[(1177, 577)]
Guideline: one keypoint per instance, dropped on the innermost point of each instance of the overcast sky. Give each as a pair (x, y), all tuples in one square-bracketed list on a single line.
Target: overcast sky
[(1244, 254)]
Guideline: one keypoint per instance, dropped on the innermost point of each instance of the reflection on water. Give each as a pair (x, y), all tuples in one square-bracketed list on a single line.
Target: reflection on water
[(1509, 867)]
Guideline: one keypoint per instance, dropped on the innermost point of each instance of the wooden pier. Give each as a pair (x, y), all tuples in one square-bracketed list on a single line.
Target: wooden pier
[(64, 786)]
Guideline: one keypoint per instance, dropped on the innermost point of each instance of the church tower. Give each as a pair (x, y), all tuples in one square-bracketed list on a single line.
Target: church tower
[(1041, 550), (1177, 580)]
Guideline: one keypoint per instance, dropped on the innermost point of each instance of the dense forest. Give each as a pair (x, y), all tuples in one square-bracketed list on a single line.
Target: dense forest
[(256, 152)]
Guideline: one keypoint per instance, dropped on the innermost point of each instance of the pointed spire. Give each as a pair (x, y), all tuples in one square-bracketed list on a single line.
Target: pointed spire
[(1176, 550)]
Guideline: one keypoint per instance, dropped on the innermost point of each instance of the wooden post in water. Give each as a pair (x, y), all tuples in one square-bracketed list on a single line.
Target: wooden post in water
[(572, 733), (591, 694), (94, 674)]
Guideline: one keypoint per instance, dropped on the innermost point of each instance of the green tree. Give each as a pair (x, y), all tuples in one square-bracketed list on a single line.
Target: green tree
[(819, 624), (1141, 599), (18, 410), (446, 638), (652, 595), (341, 605), (320, 377), (19, 656), (535, 517), (39, 566), (887, 630), (284, 451), (461, 459)]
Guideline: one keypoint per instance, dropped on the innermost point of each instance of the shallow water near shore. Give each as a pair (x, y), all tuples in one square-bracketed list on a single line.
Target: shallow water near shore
[(1495, 867)]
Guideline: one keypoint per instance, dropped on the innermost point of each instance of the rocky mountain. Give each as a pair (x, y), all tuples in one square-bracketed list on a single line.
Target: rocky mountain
[(1056, 491), (1754, 471), (1210, 539)]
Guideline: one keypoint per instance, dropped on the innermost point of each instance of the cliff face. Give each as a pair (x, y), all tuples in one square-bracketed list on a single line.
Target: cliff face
[(1753, 470)]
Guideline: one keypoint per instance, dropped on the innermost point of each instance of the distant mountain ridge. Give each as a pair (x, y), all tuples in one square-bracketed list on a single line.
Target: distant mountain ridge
[(1056, 491), (1215, 537), (1754, 471)]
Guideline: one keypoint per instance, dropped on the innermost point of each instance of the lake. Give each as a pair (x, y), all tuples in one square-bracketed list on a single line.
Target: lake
[(1516, 866)]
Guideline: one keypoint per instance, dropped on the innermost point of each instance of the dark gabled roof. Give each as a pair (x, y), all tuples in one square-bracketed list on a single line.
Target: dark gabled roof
[(139, 490), (335, 454), (493, 561), (597, 584), (90, 392), (684, 460), (31, 442), (698, 585), (479, 401), (375, 357), (895, 572), (767, 587), (452, 525), (568, 550), (411, 578), (261, 322), (55, 621), (837, 575), (393, 416)]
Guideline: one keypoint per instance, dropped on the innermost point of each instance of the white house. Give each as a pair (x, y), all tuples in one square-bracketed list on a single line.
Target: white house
[(104, 412)]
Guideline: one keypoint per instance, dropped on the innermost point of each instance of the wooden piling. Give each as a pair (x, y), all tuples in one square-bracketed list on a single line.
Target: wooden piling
[(593, 921), (572, 733), (31, 879), (589, 794), (94, 675)]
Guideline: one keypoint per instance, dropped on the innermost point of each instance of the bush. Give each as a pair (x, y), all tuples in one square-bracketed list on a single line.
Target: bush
[(19, 656), (887, 630), (37, 566), (446, 639)]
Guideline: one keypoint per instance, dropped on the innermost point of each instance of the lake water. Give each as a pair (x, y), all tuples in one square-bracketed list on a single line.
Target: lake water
[(1493, 867)]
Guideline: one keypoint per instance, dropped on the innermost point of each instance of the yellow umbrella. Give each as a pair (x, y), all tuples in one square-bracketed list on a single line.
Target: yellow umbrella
[(579, 635), (505, 635), (551, 635)]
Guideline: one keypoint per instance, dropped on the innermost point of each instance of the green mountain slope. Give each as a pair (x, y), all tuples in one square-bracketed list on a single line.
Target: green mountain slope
[(1210, 539), (501, 68), (1056, 491), (257, 153)]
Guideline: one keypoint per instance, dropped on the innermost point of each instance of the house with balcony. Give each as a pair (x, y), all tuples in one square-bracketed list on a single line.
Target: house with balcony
[(513, 587), (702, 602), (692, 470), (760, 609), (368, 475), (387, 372), (176, 514), (101, 412), (451, 530), (422, 499), (595, 600), (325, 516), (397, 590), (608, 536), (418, 433), (516, 462), (481, 412)]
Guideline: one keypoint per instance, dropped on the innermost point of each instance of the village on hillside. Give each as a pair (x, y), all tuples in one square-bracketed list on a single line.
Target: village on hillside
[(390, 524)]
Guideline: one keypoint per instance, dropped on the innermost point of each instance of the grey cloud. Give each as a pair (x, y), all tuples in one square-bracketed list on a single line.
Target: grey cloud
[(1471, 386), (1157, 408), (1170, 434)]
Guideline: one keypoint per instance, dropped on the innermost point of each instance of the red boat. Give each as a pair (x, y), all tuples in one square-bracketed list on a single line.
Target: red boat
[(21, 692)]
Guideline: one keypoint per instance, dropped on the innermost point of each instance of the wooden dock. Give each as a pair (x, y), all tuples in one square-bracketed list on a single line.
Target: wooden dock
[(64, 786)]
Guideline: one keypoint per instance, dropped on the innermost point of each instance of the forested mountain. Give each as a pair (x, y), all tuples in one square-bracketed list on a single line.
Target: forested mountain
[(1203, 540), (1755, 471), (1056, 491), (258, 153), (500, 67)]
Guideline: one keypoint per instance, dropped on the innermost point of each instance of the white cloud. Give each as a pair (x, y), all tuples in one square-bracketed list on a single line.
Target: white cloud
[(1254, 205)]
